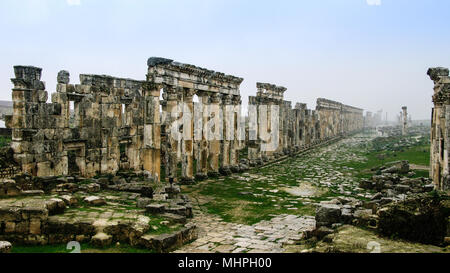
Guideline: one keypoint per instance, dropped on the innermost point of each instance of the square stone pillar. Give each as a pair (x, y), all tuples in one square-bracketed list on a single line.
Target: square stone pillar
[(235, 143), (405, 120), (439, 150), (202, 156), (152, 130), (187, 148), (254, 145), (172, 137), (228, 122), (214, 134)]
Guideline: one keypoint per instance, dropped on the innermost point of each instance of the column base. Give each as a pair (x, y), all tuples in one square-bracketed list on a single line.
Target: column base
[(201, 176), (235, 168), (225, 170), (213, 174), (187, 181)]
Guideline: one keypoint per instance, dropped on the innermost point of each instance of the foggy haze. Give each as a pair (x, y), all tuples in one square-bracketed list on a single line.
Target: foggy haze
[(368, 54)]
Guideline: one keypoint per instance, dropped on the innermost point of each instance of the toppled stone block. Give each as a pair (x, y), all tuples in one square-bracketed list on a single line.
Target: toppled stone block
[(377, 196), (147, 191), (401, 167), (321, 232), (346, 216), (422, 218), (428, 188), (95, 201), (55, 206), (67, 187), (402, 188), (8, 187), (155, 208), (32, 192), (327, 214), (143, 202), (366, 184), (175, 218), (89, 188), (70, 200), (180, 210), (362, 217), (5, 247)]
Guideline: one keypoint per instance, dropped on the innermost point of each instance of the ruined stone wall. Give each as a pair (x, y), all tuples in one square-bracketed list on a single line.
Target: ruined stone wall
[(101, 134), (298, 128), (337, 118), (121, 124), (330, 116), (440, 125)]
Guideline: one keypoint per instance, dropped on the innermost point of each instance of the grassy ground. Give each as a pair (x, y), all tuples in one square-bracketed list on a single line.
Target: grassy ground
[(350, 239), (383, 150), (4, 141), (236, 202), (258, 195)]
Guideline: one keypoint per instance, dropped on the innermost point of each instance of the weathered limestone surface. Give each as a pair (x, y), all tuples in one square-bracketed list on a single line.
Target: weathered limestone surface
[(219, 103), (405, 120), (106, 124), (440, 126), (297, 128), (106, 130)]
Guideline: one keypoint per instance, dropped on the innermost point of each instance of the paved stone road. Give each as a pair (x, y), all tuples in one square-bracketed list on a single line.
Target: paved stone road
[(318, 169), (216, 235)]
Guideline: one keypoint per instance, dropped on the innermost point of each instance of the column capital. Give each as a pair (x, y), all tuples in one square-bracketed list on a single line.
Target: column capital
[(227, 99), (237, 100), (216, 98), (189, 93), (170, 92)]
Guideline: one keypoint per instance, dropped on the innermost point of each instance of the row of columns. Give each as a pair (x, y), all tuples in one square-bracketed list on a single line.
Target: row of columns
[(213, 155)]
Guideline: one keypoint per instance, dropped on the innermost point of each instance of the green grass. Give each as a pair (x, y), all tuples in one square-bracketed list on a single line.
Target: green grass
[(384, 150), (228, 200), (224, 196), (155, 222), (4, 141)]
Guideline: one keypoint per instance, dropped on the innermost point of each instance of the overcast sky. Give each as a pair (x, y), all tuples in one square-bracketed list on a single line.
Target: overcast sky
[(372, 54)]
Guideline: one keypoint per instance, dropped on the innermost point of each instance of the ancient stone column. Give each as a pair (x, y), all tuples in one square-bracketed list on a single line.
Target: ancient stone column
[(164, 129), (254, 145), (202, 156), (228, 134), (214, 134), (187, 148), (235, 143), (439, 150), (172, 134), (28, 87), (405, 120), (152, 130)]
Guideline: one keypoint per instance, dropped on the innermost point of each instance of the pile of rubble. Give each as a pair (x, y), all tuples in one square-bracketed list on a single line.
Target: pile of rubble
[(102, 211), (400, 205), (393, 182)]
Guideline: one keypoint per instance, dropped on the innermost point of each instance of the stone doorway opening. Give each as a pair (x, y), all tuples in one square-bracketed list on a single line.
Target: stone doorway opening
[(76, 163)]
